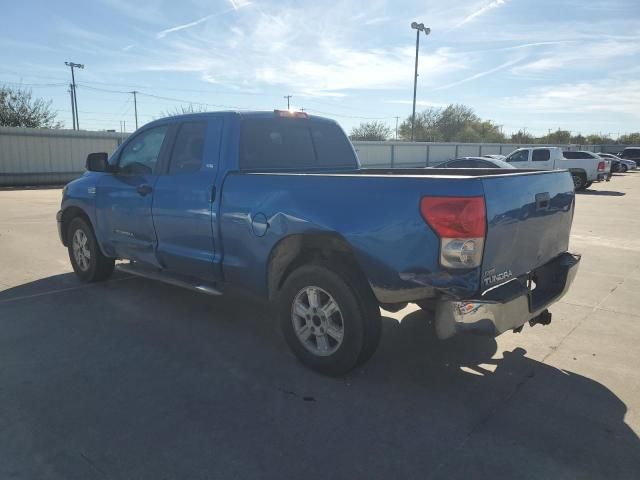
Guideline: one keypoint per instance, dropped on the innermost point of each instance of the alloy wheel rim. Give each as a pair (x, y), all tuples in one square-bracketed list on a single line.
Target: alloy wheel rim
[(317, 321), (81, 251)]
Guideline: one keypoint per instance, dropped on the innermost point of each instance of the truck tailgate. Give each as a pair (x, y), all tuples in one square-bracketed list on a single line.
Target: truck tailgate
[(528, 223)]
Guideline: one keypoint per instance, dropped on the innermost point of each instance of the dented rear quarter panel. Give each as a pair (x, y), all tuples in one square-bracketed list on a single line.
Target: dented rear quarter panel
[(378, 216)]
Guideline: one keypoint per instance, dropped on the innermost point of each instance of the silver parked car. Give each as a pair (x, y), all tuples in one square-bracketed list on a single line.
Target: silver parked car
[(624, 163)]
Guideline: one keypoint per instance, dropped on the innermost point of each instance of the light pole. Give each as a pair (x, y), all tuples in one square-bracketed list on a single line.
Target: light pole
[(72, 65), (418, 27)]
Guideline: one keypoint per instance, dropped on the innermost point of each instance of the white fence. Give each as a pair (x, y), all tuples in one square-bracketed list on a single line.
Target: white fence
[(30, 156), (420, 154), (37, 156)]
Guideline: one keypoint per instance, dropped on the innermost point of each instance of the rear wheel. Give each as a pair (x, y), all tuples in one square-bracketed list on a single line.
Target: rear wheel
[(86, 258), (579, 181), (328, 318), (588, 184)]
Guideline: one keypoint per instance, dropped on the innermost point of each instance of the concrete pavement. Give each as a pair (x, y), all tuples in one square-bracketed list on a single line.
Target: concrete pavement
[(131, 379)]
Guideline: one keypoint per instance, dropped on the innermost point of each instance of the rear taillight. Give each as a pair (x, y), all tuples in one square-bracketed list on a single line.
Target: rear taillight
[(461, 224), (601, 167)]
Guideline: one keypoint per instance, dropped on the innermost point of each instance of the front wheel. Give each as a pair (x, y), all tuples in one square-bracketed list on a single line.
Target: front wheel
[(624, 168), (86, 258), (329, 318)]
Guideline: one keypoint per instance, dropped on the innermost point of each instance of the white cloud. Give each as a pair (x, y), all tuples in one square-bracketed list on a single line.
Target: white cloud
[(596, 52), (584, 98), (184, 26), (479, 74), (482, 10), (271, 49)]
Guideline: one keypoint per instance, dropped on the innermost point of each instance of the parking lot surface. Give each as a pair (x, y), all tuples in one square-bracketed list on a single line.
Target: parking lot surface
[(131, 379)]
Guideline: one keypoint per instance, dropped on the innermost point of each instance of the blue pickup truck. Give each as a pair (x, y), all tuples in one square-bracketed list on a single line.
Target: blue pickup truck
[(276, 203)]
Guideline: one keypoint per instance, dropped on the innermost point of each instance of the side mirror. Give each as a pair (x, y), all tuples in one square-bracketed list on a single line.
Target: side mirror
[(98, 162)]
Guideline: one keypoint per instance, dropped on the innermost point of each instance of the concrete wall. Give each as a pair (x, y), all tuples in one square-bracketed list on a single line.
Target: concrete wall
[(37, 156), (40, 156)]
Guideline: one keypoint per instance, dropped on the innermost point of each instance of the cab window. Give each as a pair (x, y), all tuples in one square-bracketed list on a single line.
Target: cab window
[(540, 155), (518, 156), (140, 155), (188, 148)]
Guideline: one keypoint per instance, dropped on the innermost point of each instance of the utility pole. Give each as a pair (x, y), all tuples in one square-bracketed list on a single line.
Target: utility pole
[(73, 107), (418, 27), (288, 97), (72, 65), (396, 127), (135, 107)]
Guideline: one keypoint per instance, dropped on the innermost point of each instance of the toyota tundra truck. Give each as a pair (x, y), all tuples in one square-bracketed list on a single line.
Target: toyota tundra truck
[(276, 203)]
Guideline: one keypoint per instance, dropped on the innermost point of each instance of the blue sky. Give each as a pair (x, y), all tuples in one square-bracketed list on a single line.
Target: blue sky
[(538, 64)]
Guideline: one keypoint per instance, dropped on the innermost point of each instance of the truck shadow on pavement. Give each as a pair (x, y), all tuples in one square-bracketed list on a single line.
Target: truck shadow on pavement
[(604, 193), (135, 379)]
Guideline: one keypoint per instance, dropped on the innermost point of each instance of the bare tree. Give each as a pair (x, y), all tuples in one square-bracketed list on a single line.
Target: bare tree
[(18, 108), (370, 131), (184, 109)]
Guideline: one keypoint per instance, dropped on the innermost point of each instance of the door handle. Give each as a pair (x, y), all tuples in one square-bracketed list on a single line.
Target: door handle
[(144, 189)]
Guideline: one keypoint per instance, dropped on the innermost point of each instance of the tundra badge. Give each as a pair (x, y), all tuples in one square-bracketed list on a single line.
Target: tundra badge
[(490, 277)]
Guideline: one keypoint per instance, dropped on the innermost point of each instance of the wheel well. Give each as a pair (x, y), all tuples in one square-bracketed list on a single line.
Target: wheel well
[(296, 250), (579, 171), (69, 214)]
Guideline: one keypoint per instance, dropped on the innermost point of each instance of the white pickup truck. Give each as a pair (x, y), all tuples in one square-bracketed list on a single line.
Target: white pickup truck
[(585, 167)]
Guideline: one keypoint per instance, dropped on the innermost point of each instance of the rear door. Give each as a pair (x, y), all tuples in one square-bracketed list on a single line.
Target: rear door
[(541, 159), (519, 158), (184, 198), (528, 223)]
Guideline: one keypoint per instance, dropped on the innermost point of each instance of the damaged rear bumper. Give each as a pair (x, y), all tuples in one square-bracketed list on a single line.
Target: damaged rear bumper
[(511, 305)]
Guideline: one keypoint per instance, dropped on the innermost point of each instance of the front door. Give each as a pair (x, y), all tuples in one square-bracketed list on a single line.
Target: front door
[(124, 199), (184, 210)]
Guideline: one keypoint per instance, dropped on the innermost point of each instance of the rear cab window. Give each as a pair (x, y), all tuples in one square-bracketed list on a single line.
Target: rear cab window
[(293, 144), (540, 155)]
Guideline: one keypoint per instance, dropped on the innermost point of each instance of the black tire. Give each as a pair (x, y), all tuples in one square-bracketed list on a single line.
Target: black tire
[(358, 316), (624, 168), (579, 181), (427, 305), (97, 266), (587, 185)]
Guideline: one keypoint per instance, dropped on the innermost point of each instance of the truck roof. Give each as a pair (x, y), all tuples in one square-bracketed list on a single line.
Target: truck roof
[(242, 114)]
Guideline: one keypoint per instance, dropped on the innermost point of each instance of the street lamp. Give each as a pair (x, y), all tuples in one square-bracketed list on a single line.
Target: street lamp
[(418, 27)]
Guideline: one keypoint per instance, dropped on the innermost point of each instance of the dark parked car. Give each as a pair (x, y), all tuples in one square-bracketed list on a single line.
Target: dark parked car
[(631, 153), (474, 162)]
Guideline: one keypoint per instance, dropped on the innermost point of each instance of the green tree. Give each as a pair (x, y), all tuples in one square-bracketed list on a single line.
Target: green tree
[(455, 123), (370, 131), (557, 137), (18, 108), (522, 137), (579, 139), (426, 127), (599, 139), (630, 138), (454, 120)]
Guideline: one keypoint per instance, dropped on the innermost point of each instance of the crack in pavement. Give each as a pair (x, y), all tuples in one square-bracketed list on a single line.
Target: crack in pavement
[(62, 290)]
